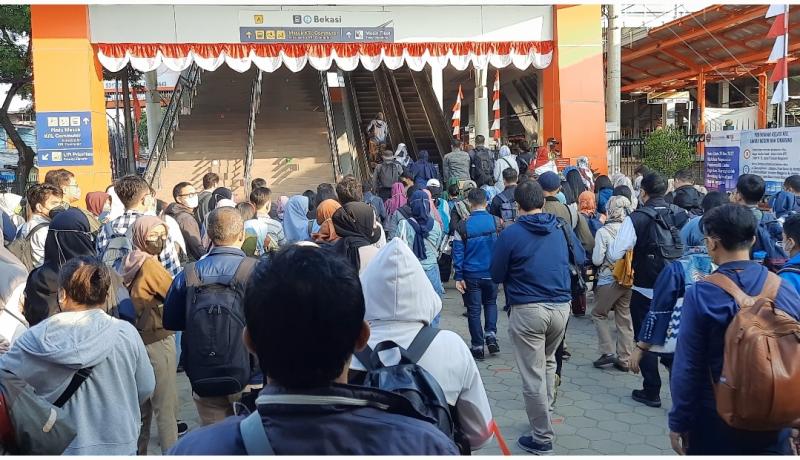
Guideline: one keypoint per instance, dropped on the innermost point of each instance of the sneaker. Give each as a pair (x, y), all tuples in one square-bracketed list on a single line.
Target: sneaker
[(491, 344), (565, 356), (620, 366), (182, 428), (180, 369), (604, 360), (641, 396), (527, 444), (477, 353), (465, 315)]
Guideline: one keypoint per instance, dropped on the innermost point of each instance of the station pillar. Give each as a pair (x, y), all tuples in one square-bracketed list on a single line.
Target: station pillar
[(572, 90), (69, 78)]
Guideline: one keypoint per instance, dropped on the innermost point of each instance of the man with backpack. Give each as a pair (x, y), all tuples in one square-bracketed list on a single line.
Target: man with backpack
[(753, 401), (456, 164), (652, 231), (386, 174), (535, 259), (113, 242), (750, 189), (305, 316), (206, 302), (685, 195), (503, 204), (482, 163), (28, 247), (473, 246)]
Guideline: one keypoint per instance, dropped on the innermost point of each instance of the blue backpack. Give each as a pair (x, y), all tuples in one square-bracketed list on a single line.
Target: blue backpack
[(768, 234), (594, 223)]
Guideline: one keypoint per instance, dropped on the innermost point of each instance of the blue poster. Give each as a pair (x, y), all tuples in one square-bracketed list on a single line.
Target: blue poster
[(722, 168), (64, 139)]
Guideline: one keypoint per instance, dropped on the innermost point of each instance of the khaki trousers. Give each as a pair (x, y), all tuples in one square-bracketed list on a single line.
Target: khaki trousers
[(614, 297), (164, 401), (536, 330), (212, 409)]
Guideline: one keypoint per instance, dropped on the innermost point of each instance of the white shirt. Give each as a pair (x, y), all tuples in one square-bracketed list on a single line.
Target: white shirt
[(625, 240), (38, 238)]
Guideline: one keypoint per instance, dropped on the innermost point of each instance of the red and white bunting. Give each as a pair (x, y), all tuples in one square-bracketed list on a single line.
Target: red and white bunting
[(457, 114), (779, 31), (496, 106)]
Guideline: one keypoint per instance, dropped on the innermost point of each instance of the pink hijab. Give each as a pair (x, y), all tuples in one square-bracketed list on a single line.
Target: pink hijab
[(134, 260), (398, 199), (434, 209)]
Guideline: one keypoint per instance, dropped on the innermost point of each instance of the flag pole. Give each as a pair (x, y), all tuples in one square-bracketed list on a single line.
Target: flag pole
[(785, 86)]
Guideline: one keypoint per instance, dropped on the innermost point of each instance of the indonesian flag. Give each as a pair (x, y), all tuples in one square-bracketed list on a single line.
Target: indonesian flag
[(457, 114), (496, 106), (778, 54)]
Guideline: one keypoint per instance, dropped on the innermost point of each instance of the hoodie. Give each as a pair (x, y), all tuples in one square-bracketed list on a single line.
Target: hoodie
[(190, 229), (105, 409), (688, 198), (532, 259), (399, 301)]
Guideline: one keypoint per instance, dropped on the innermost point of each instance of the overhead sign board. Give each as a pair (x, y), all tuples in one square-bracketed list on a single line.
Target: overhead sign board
[(669, 97), (64, 139), (315, 27)]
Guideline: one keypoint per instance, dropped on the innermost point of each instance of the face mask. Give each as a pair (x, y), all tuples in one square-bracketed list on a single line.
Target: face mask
[(155, 247), (192, 201), (107, 208)]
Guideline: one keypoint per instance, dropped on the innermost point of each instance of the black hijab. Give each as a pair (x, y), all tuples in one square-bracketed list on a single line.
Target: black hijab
[(68, 237), (217, 195), (355, 224)]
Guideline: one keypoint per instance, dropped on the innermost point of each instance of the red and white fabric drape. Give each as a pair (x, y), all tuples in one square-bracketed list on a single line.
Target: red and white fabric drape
[(347, 56), (496, 106), (457, 114), (779, 32)]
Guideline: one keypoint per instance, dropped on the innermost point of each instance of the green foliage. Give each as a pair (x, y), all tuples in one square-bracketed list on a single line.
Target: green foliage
[(142, 131), (15, 59), (667, 151)]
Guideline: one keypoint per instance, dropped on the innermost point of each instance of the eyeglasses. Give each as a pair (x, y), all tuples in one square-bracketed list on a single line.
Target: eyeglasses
[(188, 194)]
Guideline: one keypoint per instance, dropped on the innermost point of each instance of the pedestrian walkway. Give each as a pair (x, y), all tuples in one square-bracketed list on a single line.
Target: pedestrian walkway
[(594, 412)]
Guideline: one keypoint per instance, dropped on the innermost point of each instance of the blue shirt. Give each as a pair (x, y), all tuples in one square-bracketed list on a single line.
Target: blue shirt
[(471, 258), (707, 312), (792, 276)]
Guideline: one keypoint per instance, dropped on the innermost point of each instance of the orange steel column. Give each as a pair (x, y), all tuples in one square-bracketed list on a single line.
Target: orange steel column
[(762, 101), (573, 90), (68, 78)]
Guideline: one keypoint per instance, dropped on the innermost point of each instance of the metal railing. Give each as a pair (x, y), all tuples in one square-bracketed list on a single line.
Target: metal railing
[(628, 152), (334, 146), (184, 92), (255, 107)]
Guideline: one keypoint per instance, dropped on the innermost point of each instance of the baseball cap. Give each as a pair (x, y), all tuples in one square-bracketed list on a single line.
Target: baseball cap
[(433, 183), (549, 181)]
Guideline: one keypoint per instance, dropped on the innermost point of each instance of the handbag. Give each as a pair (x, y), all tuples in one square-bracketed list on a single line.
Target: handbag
[(578, 283)]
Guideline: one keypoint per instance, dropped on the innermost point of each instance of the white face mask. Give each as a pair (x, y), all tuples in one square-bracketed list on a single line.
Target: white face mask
[(192, 201)]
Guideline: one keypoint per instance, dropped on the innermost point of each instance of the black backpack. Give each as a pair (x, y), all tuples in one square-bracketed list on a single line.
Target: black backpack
[(22, 248), (214, 356), (663, 241), (483, 167), (768, 233), (409, 379), (388, 174), (508, 209)]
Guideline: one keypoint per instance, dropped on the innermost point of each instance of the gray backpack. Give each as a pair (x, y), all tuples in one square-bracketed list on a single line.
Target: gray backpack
[(29, 424), (22, 249), (117, 248)]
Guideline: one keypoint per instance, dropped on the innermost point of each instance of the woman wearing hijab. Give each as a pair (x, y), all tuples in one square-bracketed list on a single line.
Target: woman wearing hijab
[(398, 199), (99, 204), (504, 161), (603, 190), (68, 237), (13, 275), (296, 224), (359, 234), (423, 235), (587, 207), (618, 179), (586, 172), (327, 231), (423, 170), (434, 210), (219, 194), (148, 282), (312, 203), (401, 155)]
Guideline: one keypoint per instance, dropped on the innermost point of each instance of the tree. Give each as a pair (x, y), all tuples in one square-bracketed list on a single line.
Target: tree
[(667, 151), (16, 70)]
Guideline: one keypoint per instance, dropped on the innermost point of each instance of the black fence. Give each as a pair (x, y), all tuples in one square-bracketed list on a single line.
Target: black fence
[(631, 150)]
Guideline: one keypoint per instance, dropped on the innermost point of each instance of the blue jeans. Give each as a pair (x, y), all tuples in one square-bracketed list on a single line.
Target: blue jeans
[(436, 281), (481, 292)]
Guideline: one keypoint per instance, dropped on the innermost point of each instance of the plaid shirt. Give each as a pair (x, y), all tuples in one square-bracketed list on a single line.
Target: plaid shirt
[(120, 225)]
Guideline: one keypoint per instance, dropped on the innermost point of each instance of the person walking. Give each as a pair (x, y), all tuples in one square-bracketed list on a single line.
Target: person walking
[(360, 237), (456, 165), (506, 160), (610, 294), (533, 258), (82, 343), (473, 246), (386, 175), (148, 283)]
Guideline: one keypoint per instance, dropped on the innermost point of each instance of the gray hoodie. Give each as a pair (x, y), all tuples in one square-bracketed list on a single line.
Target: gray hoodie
[(105, 408)]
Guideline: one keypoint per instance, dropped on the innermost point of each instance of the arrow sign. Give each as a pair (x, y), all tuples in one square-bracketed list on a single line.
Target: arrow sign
[(85, 121), (349, 34), (249, 34), (45, 156)]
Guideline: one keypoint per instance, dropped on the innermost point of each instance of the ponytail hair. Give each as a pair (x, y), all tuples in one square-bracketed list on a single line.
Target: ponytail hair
[(85, 280)]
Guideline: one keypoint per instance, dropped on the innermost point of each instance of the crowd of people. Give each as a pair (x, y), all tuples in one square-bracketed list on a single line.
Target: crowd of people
[(309, 324)]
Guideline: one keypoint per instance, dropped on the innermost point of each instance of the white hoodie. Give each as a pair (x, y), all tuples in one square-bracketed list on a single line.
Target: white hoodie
[(400, 300)]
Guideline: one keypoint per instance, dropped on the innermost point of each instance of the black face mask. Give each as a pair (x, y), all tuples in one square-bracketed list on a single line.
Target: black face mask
[(155, 247)]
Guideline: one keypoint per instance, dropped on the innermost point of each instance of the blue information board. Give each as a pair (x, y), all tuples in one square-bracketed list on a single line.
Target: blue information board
[(64, 138)]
